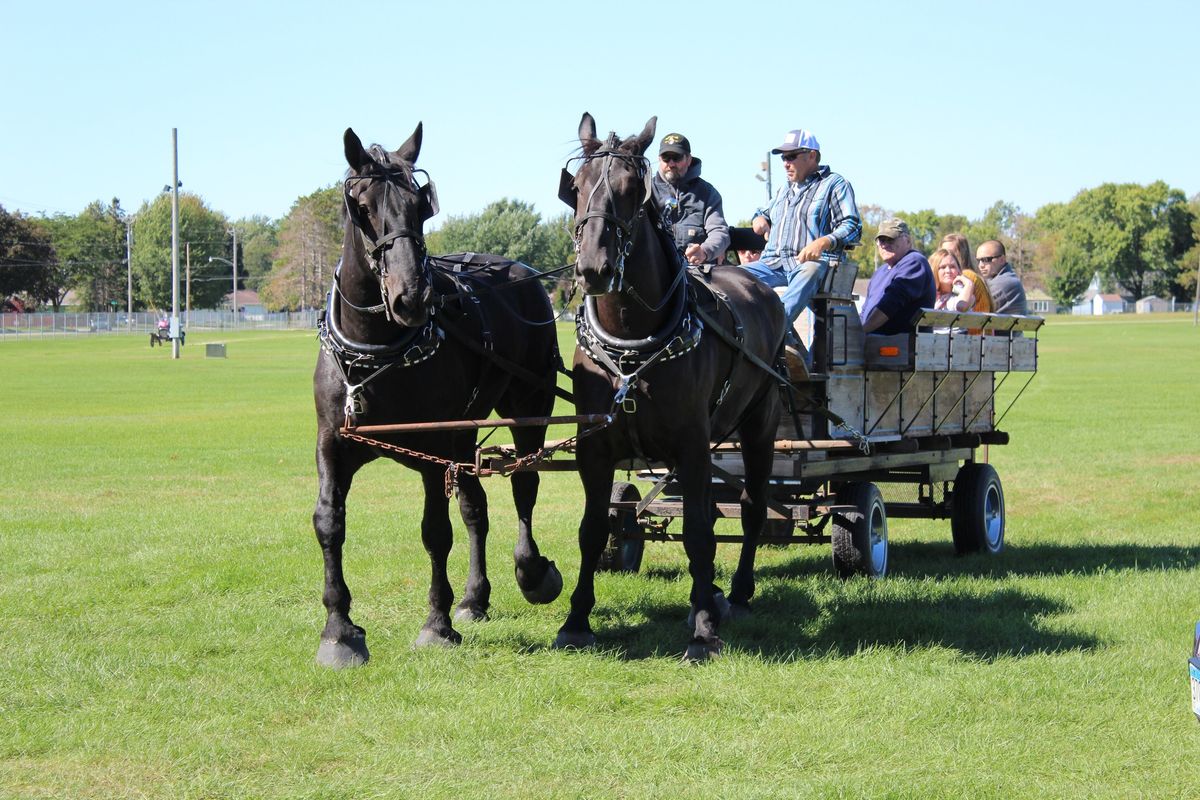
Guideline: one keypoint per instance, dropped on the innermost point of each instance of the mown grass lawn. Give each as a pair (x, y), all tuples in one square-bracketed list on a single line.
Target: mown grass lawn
[(160, 587)]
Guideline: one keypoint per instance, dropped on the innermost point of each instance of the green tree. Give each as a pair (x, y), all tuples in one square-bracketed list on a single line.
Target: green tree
[(508, 228), (1070, 272), (90, 250), (310, 243), (27, 261), (1185, 281), (258, 239), (202, 231), (1131, 234)]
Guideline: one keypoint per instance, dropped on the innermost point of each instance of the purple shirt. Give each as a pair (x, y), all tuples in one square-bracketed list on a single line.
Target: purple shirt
[(900, 292)]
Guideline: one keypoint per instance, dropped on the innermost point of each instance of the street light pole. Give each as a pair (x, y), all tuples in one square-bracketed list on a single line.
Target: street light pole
[(175, 244)]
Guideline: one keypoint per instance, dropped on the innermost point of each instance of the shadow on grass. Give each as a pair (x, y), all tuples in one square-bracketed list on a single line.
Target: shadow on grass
[(931, 560), (790, 622), (804, 618)]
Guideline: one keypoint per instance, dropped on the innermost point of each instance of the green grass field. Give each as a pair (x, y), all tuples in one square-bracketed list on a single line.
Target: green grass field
[(160, 586)]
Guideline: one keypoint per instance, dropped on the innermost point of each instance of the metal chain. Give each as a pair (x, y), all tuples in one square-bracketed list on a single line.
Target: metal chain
[(455, 468)]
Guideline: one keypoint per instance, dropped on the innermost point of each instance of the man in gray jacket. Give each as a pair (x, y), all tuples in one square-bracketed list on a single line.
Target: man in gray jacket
[(1008, 295), (690, 206)]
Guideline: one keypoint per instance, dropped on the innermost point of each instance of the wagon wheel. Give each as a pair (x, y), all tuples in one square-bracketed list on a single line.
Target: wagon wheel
[(977, 510), (623, 553), (860, 537)]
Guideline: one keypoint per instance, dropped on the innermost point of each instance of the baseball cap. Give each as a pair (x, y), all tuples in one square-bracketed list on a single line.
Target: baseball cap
[(797, 139), (892, 228), (675, 143)]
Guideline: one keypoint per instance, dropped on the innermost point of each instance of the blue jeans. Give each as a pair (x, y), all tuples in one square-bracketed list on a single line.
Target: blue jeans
[(802, 284)]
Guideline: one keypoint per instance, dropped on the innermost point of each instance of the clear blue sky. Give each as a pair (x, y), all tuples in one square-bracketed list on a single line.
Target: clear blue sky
[(949, 106)]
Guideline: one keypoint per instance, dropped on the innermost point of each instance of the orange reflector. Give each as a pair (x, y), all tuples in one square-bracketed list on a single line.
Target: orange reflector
[(891, 350)]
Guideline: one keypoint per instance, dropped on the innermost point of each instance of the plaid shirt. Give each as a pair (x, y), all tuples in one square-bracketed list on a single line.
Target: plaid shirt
[(823, 205)]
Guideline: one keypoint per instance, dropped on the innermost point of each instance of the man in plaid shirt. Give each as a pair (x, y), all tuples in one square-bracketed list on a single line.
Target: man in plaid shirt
[(813, 215)]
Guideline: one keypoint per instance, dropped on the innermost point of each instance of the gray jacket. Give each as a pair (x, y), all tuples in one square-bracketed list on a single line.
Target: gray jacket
[(1008, 295), (693, 211)]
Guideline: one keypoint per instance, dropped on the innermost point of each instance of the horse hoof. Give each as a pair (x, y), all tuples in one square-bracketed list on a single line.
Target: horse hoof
[(341, 655), (574, 640), (470, 614), (548, 590), (701, 651), (431, 638), (723, 610)]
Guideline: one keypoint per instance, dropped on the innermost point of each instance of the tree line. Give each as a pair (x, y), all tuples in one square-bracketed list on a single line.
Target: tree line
[(1142, 239)]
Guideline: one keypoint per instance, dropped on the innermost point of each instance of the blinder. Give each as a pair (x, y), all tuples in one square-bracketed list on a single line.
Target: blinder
[(429, 200), (567, 191)]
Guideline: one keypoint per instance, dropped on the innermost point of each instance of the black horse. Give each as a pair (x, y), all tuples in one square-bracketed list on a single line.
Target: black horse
[(411, 338), (684, 359)]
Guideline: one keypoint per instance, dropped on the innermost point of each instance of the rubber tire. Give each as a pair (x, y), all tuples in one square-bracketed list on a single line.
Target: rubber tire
[(860, 540), (977, 510), (622, 553)]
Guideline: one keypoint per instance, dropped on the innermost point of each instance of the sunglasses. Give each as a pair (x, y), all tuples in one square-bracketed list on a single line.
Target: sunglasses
[(672, 157), (790, 157), (986, 259)]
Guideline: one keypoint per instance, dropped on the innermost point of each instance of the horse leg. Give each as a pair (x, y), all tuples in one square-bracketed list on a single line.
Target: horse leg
[(343, 644), (596, 474), (757, 434), (472, 505), (436, 535), (694, 474), (537, 576)]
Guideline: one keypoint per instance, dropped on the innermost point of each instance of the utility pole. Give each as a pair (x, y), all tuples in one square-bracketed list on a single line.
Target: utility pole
[(765, 169), (175, 243), (129, 268), (234, 295)]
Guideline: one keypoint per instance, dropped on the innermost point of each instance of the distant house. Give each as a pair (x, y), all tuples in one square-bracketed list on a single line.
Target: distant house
[(248, 303), (1096, 302), (1039, 302), (1151, 304)]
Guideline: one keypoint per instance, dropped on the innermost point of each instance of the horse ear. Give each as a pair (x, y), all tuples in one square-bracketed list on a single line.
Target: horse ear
[(412, 148), (646, 136), (356, 156), (587, 134)]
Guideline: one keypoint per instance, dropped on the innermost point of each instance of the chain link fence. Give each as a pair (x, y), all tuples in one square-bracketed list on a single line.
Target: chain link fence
[(22, 326)]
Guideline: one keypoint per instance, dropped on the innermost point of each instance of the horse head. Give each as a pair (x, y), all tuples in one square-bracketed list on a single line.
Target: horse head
[(387, 206), (608, 193)]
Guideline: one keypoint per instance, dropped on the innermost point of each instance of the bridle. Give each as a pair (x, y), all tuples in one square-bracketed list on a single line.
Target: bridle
[(626, 231), (378, 243)]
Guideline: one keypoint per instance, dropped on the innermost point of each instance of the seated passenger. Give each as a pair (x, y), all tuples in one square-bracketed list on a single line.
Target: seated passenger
[(957, 243), (901, 286), (1006, 286), (958, 289), (690, 206), (746, 245)]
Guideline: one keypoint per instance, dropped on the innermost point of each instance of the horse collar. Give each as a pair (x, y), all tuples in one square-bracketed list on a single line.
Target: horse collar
[(412, 347)]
